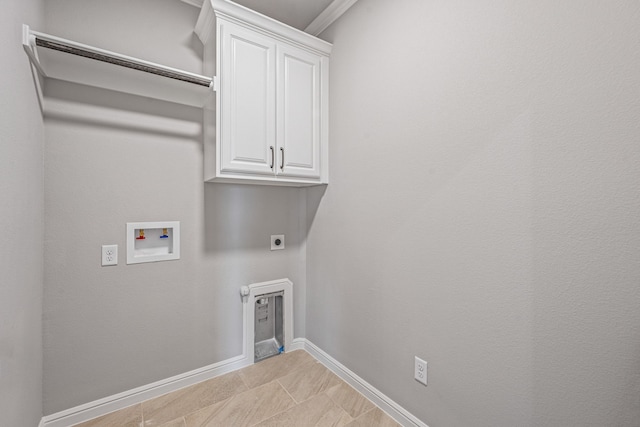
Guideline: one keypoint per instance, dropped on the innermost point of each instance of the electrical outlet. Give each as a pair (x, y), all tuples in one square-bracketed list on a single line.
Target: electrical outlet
[(420, 371), (109, 255), (277, 242)]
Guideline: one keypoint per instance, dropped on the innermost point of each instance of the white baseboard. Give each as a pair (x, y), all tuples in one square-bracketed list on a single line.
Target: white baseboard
[(298, 344), (395, 411), (109, 404)]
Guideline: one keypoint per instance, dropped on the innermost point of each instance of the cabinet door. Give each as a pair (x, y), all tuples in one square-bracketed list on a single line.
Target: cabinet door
[(298, 104), (246, 109)]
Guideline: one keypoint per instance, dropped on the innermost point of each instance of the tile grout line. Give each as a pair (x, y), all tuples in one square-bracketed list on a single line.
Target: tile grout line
[(225, 402), (281, 412), (334, 402), (287, 391), (320, 391), (185, 415), (294, 371), (357, 392), (235, 396), (296, 403), (243, 381), (377, 407), (365, 413), (298, 373)]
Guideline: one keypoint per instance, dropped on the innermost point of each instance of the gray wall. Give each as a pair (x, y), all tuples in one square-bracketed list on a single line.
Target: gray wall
[(482, 213), (483, 209), (21, 222), (113, 158)]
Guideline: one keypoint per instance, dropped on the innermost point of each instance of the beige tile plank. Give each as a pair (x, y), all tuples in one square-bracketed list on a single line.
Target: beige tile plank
[(244, 409), (319, 411), (375, 417), (275, 367), (179, 403), (306, 383), (262, 395), (350, 400), (127, 417), (180, 422)]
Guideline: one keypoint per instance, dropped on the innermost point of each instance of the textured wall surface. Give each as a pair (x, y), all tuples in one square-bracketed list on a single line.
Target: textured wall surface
[(482, 213), (483, 209), (21, 222), (113, 158)]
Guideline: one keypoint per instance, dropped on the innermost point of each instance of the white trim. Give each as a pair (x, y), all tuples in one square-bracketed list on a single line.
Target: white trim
[(116, 73), (246, 17), (28, 42), (206, 23), (321, 22), (109, 404), (394, 410), (328, 16), (196, 3), (104, 406), (249, 294), (298, 344)]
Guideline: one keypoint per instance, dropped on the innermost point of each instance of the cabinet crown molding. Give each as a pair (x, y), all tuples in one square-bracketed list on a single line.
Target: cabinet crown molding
[(330, 15), (205, 26)]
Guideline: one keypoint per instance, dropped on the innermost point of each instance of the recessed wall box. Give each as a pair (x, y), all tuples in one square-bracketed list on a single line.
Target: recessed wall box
[(153, 241)]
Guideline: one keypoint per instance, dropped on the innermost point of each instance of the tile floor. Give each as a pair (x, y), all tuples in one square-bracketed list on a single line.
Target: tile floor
[(292, 389)]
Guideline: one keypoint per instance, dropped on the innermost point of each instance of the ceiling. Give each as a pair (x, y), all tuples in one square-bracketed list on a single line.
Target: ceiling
[(296, 13)]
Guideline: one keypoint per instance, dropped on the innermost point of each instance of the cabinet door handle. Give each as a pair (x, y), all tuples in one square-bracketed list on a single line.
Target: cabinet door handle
[(272, 156), (282, 164)]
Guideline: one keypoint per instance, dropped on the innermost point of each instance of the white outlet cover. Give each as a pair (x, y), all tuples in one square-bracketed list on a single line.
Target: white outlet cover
[(420, 371), (274, 239), (109, 255)]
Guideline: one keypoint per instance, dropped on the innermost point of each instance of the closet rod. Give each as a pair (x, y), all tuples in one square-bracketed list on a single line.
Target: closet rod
[(73, 48)]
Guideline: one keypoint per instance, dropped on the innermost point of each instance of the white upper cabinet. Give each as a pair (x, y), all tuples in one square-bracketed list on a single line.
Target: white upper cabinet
[(298, 112), (247, 94), (270, 124)]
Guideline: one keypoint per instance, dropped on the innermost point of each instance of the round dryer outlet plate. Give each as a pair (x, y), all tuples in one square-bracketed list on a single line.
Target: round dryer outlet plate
[(277, 242)]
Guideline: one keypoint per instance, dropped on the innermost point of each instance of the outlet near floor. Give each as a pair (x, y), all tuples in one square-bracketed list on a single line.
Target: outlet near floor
[(420, 371)]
